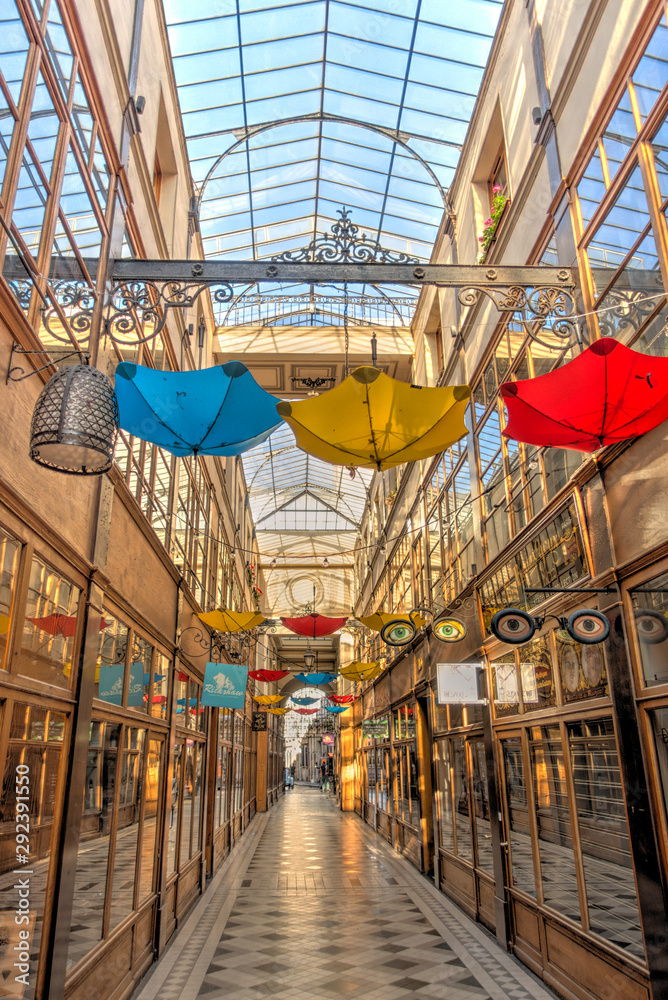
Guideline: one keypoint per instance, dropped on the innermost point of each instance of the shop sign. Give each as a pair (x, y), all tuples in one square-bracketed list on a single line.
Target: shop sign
[(224, 685), (380, 728), (259, 722), (328, 739), (111, 683), (506, 691), (457, 684)]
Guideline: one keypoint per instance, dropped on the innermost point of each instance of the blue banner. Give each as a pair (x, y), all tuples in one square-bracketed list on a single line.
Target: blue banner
[(111, 683), (136, 685), (224, 685)]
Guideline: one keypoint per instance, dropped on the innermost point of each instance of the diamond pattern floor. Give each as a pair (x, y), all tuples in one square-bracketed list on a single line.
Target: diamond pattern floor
[(312, 906)]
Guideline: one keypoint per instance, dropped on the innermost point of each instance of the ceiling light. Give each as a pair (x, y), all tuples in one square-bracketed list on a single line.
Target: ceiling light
[(309, 659), (325, 563)]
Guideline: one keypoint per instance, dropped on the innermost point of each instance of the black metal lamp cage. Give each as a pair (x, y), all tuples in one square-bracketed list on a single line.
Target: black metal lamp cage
[(75, 422)]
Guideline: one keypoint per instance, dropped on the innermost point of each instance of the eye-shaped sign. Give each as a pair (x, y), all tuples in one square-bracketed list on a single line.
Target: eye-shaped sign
[(398, 632), (651, 626), (588, 627), (512, 625), (515, 627), (449, 630)]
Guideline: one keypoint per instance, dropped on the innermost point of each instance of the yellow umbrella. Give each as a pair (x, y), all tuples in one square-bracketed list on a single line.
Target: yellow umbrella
[(279, 711), (357, 671), (378, 621), (376, 421), (223, 620), (268, 699)]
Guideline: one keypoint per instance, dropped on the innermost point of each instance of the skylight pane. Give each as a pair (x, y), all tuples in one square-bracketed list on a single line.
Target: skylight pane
[(282, 21), (283, 52)]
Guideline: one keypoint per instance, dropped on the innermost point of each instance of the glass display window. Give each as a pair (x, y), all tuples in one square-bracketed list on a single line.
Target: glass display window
[(517, 816), (404, 722), (10, 550), (47, 642), (650, 624)]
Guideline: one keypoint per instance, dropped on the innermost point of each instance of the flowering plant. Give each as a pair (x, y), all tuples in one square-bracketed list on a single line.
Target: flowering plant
[(499, 202), (255, 590)]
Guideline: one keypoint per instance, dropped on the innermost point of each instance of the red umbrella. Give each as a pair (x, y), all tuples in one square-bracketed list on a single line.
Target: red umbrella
[(342, 699), (313, 625), (305, 711), (267, 675), (608, 393), (60, 624)]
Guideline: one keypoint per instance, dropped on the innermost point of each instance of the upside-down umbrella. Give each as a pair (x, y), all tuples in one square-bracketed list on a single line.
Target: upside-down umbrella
[(374, 421), (357, 671), (267, 676), (337, 709), (280, 711), (607, 394), (342, 699), (380, 619), (224, 620), (313, 625), (304, 701), (315, 679), (216, 411), (268, 699), (64, 625), (305, 711)]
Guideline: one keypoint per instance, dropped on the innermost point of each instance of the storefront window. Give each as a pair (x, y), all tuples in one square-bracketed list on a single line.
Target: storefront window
[(519, 833), (37, 759), (650, 611), (140, 674), (581, 668), (404, 723), (536, 675), (127, 831), (111, 660), (161, 667), (604, 841), (444, 792), (189, 787), (175, 806), (90, 883), (47, 642), (555, 837), (221, 812), (197, 801), (149, 820), (371, 777), (462, 811), (659, 720), (9, 561), (481, 800)]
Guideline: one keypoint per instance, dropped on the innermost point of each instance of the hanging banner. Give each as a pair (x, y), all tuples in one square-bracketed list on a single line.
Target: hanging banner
[(259, 722), (224, 685), (111, 683), (458, 684), (136, 685)]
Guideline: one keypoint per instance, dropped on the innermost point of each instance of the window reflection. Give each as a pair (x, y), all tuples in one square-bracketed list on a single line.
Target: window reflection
[(127, 835), (111, 659), (519, 832), (34, 745), (9, 561), (461, 794), (483, 833), (650, 610), (47, 641)]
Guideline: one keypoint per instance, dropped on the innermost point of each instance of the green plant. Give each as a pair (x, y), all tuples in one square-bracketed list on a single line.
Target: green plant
[(498, 204)]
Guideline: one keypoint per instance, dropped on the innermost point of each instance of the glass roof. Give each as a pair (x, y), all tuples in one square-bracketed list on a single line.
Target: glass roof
[(292, 109)]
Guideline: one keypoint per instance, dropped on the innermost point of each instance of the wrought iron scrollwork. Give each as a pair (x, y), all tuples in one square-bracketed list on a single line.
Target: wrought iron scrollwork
[(543, 311), (196, 641), (138, 310), (71, 307), (343, 245)]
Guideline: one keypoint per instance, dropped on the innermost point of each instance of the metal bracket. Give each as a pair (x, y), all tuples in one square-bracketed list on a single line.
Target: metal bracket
[(17, 349)]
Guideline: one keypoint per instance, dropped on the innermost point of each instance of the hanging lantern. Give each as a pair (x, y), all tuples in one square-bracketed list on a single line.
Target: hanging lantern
[(309, 659), (75, 422)]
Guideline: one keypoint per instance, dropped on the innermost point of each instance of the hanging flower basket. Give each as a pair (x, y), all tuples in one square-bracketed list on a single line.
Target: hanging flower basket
[(491, 224)]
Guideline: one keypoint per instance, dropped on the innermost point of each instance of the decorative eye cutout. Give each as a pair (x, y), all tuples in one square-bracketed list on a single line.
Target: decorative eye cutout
[(588, 627), (450, 630), (398, 632), (513, 625), (651, 626)]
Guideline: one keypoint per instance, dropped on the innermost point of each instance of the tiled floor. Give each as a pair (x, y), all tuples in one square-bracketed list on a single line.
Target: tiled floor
[(312, 905)]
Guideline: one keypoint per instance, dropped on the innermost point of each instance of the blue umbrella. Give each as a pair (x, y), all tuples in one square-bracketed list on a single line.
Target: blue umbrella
[(316, 678), (304, 701), (337, 708), (216, 411)]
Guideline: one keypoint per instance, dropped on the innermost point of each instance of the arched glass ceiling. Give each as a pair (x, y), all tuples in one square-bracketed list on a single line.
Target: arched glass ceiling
[(408, 70)]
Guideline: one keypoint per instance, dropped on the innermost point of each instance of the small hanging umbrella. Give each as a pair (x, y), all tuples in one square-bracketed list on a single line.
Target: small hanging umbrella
[(268, 699), (223, 620), (357, 671), (607, 394), (267, 676), (315, 679), (64, 625), (216, 411), (305, 711), (313, 625), (304, 701), (377, 422), (342, 699), (280, 711), (337, 708)]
